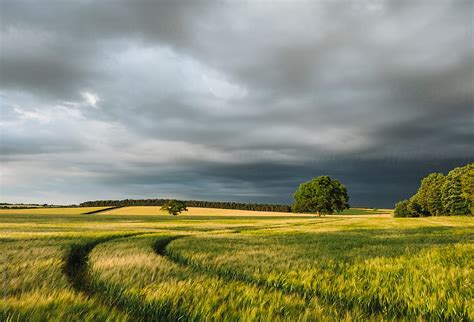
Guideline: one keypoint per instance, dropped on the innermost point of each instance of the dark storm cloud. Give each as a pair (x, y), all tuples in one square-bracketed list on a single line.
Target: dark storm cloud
[(232, 100)]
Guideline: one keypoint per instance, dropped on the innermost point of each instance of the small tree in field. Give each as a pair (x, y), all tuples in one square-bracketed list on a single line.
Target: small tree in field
[(322, 195), (174, 207)]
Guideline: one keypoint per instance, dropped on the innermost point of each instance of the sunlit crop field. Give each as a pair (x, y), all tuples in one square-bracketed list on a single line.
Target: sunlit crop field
[(194, 211), (225, 265)]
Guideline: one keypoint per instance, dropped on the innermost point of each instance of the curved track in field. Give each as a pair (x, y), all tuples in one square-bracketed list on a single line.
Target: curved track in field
[(160, 245), (161, 249), (76, 262), (318, 222), (229, 274), (76, 268)]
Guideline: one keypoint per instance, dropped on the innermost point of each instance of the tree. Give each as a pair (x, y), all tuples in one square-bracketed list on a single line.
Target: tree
[(452, 194), (401, 209), (429, 194), (321, 195), (453, 201), (466, 178), (174, 207), (415, 207), (189, 203), (434, 202), (427, 200)]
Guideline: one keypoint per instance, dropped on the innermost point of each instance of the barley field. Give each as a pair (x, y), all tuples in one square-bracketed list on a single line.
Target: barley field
[(135, 263)]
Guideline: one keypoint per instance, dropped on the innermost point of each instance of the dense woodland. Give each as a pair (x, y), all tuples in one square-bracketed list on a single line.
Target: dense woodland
[(189, 203), (441, 195)]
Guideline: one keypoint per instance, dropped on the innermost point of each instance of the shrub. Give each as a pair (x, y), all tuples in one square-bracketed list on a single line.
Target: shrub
[(401, 209)]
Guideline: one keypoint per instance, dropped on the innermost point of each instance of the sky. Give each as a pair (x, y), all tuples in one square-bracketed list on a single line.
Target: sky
[(232, 100)]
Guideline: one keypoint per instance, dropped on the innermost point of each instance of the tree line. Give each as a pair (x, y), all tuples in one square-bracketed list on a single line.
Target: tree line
[(189, 203), (441, 195)]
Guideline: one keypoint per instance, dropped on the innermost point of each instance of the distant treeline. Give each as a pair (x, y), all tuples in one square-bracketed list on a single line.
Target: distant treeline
[(441, 195), (6, 205), (189, 203)]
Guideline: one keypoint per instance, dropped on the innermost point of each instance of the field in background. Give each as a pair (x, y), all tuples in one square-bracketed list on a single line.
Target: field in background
[(195, 211), (192, 211), (134, 263), (51, 211)]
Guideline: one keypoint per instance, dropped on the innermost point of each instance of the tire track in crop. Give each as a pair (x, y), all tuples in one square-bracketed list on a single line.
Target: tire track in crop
[(76, 266), (244, 229), (160, 245), (228, 274), (77, 270), (374, 310)]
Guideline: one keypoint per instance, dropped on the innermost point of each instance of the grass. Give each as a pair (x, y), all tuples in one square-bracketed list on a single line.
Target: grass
[(35, 288), (224, 266), (159, 289), (365, 211)]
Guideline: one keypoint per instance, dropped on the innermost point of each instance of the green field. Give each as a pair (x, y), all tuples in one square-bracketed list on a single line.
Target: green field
[(143, 265)]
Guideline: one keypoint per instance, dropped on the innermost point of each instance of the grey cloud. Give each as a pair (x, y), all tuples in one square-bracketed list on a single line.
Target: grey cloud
[(241, 100)]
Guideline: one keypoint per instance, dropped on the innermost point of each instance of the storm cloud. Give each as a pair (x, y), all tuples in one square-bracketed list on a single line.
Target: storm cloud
[(232, 100)]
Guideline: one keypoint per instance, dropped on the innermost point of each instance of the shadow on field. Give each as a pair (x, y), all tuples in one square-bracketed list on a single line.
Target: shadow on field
[(318, 221), (370, 243)]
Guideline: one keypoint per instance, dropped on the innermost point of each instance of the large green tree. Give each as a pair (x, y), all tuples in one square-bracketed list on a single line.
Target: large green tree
[(466, 177), (452, 196), (427, 201), (438, 195), (321, 195)]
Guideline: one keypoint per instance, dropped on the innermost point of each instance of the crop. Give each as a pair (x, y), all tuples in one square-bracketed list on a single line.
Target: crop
[(148, 266), (407, 272)]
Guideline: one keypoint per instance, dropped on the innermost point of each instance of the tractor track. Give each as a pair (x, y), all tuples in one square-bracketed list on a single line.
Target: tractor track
[(375, 311), (318, 222), (76, 269)]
